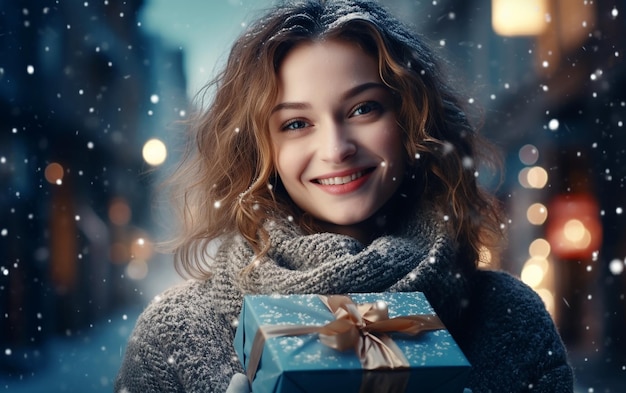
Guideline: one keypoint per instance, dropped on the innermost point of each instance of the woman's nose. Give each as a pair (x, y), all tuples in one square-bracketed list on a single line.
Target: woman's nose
[(337, 144)]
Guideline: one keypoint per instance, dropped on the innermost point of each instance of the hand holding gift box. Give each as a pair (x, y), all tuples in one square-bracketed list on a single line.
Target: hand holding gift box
[(298, 343)]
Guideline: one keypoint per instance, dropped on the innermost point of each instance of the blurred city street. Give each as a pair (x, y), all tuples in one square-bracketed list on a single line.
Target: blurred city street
[(88, 360), (93, 100), (87, 363)]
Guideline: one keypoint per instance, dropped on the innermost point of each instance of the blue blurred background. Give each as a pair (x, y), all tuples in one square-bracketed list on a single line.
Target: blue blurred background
[(92, 95)]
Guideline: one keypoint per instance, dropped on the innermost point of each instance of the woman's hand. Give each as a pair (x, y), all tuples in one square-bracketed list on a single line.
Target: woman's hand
[(238, 384)]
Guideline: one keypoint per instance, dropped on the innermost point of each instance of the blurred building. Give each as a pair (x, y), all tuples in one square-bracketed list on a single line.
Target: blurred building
[(550, 75), (82, 91)]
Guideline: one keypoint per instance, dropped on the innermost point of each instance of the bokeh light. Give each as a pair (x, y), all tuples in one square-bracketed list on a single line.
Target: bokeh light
[(141, 248), (522, 178), (616, 266), (537, 214), (533, 177), (574, 229), (528, 154), (537, 177), (518, 18), (154, 152), (54, 173), (532, 274), (119, 212), (575, 232), (137, 269), (539, 248)]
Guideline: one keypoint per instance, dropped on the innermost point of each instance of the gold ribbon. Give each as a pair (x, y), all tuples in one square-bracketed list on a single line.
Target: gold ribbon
[(359, 326)]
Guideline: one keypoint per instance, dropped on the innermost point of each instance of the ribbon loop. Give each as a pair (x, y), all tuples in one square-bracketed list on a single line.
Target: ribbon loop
[(339, 334)]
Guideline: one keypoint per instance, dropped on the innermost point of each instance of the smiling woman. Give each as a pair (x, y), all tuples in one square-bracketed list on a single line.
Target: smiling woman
[(338, 149), (334, 158)]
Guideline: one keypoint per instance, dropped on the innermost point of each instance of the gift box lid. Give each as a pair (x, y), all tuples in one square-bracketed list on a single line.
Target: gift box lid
[(435, 353)]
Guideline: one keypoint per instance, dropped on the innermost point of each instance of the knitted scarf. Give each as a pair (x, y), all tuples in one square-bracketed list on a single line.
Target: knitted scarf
[(418, 256), (506, 333)]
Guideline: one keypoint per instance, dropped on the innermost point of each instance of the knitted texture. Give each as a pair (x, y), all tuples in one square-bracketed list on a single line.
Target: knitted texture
[(183, 340), (419, 257)]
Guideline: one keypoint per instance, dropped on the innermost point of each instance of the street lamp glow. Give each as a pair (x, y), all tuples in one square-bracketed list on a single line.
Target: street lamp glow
[(154, 152), (519, 17)]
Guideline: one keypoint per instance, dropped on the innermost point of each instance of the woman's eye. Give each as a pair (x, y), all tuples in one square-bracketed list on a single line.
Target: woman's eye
[(365, 108), (294, 125)]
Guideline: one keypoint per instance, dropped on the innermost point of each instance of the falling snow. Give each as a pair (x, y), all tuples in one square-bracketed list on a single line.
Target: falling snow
[(553, 125), (79, 101)]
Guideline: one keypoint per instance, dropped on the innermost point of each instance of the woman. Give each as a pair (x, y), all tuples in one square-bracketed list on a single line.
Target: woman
[(336, 158)]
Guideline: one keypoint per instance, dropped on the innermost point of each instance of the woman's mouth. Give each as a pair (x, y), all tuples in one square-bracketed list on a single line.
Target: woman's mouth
[(341, 180), (338, 180)]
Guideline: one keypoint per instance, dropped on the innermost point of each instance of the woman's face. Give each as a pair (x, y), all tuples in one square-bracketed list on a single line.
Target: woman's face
[(337, 147)]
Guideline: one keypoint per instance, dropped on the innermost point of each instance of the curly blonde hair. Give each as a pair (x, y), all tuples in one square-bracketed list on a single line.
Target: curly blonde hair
[(227, 183)]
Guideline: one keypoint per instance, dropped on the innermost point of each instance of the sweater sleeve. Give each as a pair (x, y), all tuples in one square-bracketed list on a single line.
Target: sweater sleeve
[(145, 367), (179, 344), (511, 340)]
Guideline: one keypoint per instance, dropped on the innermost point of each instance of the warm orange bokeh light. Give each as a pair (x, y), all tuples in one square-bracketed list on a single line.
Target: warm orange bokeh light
[(54, 173), (119, 212), (141, 248), (537, 214), (574, 229)]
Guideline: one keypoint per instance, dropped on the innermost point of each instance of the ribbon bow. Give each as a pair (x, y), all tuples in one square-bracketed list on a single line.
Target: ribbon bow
[(359, 326), (363, 327)]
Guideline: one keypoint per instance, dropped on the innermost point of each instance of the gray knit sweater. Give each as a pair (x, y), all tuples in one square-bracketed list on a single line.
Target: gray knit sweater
[(182, 342)]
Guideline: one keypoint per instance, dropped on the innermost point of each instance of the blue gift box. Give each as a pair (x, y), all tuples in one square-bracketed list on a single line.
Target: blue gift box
[(301, 363)]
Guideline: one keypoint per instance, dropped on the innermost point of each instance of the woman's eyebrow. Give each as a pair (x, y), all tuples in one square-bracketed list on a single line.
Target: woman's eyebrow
[(290, 105), (356, 90)]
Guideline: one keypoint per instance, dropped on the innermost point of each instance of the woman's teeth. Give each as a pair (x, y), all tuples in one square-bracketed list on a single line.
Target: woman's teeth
[(331, 181)]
